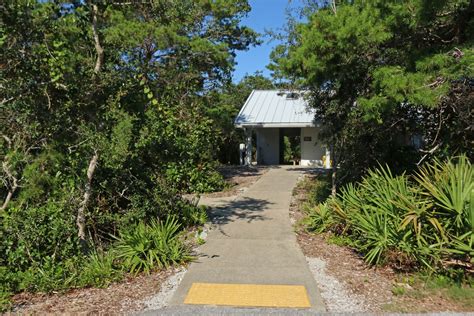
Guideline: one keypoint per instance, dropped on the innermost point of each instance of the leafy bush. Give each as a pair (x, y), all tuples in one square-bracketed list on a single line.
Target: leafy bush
[(292, 149), (320, 189), (5, 289), (47, 277), (158, 200), (147, 247), (194, 179), (406, 221), (97, 269), (194, 215), (33, 235), (39, 243)]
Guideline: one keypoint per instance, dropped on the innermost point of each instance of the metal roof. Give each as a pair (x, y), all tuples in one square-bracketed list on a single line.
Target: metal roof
[(275, 108)]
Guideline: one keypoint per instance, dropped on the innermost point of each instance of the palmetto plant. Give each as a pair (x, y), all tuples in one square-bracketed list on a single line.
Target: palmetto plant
[(99, 270), (156, 245), (450, 185), (376, 233), (374, 216), (320, 218), (427, 218)]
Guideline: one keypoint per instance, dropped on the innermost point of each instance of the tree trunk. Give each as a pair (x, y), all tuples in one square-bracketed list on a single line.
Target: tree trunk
[(334, 172), (98, 47), (81, 217)]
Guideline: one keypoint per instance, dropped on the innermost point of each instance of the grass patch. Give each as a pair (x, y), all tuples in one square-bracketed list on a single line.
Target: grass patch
[(339, 240), (398, 290), (435, 287)]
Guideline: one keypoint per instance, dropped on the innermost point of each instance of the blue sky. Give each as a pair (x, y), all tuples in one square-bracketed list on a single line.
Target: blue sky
[(265, 14)]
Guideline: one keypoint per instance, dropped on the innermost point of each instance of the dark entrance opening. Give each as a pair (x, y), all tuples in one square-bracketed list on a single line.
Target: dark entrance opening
[(290, 146)]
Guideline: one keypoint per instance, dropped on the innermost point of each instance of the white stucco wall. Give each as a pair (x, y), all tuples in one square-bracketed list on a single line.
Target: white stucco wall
[(268, 146), (312, 150)]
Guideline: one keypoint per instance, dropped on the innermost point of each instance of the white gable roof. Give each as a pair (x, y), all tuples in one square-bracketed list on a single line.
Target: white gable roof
[(275, 108)]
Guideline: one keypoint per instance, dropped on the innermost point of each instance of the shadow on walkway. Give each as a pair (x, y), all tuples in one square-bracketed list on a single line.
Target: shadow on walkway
[(244, 208), (309, 170)]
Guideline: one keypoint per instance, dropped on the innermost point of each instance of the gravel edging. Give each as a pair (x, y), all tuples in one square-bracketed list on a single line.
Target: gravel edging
[(167, 290), (335, 295)]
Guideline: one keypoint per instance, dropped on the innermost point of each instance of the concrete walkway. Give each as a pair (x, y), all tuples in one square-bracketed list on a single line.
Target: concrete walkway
[(253, 241)]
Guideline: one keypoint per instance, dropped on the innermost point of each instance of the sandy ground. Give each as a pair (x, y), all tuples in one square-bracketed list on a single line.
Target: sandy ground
[(122, 297), (239, 178)]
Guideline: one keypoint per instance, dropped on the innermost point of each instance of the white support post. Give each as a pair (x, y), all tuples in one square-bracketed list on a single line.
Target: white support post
[(327, 163), (241, 154), (248, 138)]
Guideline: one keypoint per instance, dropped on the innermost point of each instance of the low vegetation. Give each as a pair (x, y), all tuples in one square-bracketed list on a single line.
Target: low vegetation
[(140, 248), (411, 222), (420, 225), (421, 287), (147, 247)]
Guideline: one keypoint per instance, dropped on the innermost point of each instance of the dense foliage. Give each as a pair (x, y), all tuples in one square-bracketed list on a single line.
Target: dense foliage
[(391, 81), (407, 221), (104, 123)]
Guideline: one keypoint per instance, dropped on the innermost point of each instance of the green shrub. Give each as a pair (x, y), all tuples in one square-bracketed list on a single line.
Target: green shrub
[(97, 269), (191, 178), (50, 276), (194, 215), (157, 200), (147, 247), (406, 221), (39, 243), (5, 289), (375, 217), (31, 235), (321, 189), (449, 187), (292, 149)]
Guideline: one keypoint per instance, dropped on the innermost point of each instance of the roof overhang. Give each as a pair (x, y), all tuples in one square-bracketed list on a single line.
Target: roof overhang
[(274, 109), (277, 125)]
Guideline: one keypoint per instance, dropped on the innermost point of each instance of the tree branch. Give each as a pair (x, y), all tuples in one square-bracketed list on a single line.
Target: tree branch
[(429, 152), (7, 171)]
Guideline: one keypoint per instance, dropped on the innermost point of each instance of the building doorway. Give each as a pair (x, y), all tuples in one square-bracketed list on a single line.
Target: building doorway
[(290, 146)]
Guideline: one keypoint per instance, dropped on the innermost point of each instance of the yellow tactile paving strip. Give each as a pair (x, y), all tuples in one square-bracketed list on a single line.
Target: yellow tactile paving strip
[(248, 295)]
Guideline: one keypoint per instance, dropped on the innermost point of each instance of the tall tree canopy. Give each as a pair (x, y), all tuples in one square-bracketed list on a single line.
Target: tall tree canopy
[(104, 118), (383, 71)]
